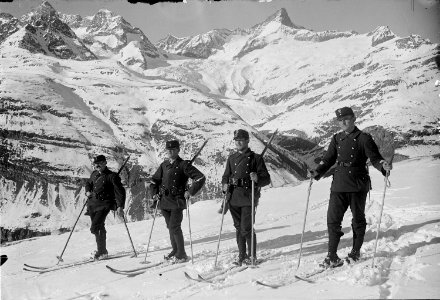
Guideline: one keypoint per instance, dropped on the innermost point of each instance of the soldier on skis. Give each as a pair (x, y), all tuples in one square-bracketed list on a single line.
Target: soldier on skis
[(168, 185), (242, 167), (349, 149), (105, 192)]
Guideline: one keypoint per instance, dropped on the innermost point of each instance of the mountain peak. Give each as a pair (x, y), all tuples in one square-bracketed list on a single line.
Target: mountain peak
[(280, 16), (105, 12), (380, 35), (46, 8)]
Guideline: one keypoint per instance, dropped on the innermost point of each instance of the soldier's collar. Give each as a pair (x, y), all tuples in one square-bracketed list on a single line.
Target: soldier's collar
[(177, 160), (247, 152)]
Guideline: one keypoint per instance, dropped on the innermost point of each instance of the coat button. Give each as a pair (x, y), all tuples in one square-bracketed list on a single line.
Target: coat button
[(351, 155), (354, 140), (349, 172), (352, 148)]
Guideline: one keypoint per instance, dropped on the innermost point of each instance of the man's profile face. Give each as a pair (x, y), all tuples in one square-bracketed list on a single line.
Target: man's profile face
[(241, 144)]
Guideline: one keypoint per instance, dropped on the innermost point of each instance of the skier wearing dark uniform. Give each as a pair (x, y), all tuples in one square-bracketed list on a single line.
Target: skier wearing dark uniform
[(105, 192), (168, 185), (242, 167), (349, 149)]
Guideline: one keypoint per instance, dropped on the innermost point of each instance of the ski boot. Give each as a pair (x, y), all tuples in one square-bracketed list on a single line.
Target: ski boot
[(353, 256), (170, 256), (242, 259), (179, 260), (100, 256), (331, 261)]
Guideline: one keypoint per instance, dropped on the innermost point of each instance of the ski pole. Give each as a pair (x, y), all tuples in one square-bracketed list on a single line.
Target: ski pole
[(304, 222), (380, 217), (151, 231), (60, 257), (253, 229), (220, 232), (189, 225), (129, 236)]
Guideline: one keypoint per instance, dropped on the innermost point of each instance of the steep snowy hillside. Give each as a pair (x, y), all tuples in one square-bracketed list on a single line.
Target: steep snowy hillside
[(406, 265), (61, 104), (278, 75), (69, 111)]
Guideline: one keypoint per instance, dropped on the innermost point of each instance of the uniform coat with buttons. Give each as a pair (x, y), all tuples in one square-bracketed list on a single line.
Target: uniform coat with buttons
[(350, 184), (350, 152), (239, 166), (170, 181), (107, 191)]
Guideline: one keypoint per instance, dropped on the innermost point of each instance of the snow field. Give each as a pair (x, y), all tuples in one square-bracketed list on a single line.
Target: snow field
[(407, 257)]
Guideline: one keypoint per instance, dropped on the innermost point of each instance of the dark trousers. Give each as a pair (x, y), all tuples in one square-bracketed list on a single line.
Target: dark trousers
[(339, 202), (98, 229), (173, 219), (243, 229)]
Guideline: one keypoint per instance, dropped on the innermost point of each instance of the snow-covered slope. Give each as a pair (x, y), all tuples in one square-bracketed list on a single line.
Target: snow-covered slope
[(69, 111), (278, 75), (56, 114), (406, 265)]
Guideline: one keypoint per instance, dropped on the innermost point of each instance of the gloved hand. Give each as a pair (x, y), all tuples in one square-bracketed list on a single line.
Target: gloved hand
[(387, 166), (120, 212)]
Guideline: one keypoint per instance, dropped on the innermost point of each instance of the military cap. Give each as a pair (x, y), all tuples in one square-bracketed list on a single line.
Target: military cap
[(342, 112), (241, 134), (172, 144), (98, 159)]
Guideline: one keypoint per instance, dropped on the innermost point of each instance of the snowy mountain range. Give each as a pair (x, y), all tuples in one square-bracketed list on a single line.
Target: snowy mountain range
[(73, 87)]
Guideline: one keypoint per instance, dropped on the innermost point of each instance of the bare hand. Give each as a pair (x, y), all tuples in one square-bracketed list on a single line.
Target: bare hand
[(387, 166), (254, 177), (187, 195), (225, 188), (120, 212)]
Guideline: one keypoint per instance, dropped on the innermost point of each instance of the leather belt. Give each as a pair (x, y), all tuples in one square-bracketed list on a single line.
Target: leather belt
[(239, 182)]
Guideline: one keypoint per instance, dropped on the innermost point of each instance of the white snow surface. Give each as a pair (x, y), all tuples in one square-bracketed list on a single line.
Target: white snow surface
[(406, 264)]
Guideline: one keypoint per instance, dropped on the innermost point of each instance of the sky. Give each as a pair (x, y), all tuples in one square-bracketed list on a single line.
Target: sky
[(194, 17)]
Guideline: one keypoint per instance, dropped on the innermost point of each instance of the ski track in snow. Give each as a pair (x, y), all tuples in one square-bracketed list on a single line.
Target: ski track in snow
[(407, 258)]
